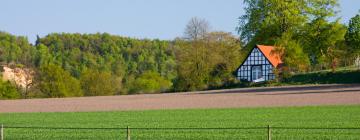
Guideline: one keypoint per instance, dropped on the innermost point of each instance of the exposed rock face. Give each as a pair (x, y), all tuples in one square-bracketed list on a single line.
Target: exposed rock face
[(21, 77)]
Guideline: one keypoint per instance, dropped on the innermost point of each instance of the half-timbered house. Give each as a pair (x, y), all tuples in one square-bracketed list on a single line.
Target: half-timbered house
[(259, 64)]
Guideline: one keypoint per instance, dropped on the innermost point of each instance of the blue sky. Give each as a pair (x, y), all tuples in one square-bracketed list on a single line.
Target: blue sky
[(163, 19)]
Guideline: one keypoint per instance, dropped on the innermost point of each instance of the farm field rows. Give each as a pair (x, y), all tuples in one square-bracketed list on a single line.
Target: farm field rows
[(112, 123)]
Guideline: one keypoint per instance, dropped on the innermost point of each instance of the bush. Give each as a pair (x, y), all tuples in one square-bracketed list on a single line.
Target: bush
[(325, 77), (8, 91), (150, 82), (96, 83)]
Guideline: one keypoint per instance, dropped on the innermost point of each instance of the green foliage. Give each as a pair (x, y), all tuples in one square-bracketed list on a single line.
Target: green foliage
[(308, 117), (15, 49), (122, 57), (53, 81), (301, 30), (266, 20), (85, 57), (293, 56), (352, 36), (320, 40), (150, 82), (95, 83), (8, 90), (312, 36), (43, 56), (225, 58), (206, 63), (193, 66), (326, 77)]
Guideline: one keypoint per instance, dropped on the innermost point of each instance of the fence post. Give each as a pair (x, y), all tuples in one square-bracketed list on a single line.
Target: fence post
[(269, 132), (2, 132), (128, 133)]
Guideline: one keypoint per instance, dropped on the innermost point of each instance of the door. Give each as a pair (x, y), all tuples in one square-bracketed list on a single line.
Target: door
[(256, 74)]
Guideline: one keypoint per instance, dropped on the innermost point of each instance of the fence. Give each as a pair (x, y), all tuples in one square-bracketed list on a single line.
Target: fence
[(128, 133)]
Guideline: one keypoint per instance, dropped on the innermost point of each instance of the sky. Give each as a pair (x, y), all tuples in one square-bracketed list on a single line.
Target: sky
[(162, 19)]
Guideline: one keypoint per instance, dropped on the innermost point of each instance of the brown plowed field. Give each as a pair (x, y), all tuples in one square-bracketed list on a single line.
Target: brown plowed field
[(230, 98)]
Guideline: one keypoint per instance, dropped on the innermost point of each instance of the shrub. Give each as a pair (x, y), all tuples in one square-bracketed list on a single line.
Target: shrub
[(150, 82), (8, 91), (96, 83), (325, 77)]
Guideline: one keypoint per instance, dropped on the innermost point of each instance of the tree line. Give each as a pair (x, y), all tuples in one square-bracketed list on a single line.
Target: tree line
[(67, 64), (73, 64)]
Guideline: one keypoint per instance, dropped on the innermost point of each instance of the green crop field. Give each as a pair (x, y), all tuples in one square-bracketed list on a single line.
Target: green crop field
[(256, 119)]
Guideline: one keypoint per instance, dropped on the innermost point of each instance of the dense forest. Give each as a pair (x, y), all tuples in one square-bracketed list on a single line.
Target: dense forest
[(102, 64), (73, 64)]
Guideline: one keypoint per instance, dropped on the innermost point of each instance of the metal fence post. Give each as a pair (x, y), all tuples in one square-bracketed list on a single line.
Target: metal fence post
[(128, 133), (2, 132), (269, 132)]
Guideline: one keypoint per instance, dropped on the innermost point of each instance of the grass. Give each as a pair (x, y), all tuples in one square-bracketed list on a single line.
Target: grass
[(318, 116)]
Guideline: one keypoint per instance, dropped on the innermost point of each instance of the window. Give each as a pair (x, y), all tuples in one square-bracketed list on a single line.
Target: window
[(256, 73)]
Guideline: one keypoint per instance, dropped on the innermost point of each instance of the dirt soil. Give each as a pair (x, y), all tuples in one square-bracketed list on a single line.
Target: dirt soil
[(231, 98)]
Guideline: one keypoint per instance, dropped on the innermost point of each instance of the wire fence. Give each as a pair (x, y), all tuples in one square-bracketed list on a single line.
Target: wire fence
[(128, 133)]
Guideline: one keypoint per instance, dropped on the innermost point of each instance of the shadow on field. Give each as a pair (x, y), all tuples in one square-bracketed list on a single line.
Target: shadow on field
[(298, 89)]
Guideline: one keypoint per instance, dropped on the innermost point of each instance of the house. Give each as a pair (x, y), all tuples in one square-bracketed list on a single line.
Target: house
[(259, 64)]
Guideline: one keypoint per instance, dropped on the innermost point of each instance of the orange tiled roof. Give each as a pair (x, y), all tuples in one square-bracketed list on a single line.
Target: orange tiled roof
[(272, 57)]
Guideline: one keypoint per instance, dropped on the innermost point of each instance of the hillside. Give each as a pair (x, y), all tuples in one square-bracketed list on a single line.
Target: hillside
[(68, 65)]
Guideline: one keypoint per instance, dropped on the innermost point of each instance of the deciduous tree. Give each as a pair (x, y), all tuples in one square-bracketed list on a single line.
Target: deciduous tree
[(352, 37), (8, 90), (97, 83), (150, 82), (53, 81), (196, 28)]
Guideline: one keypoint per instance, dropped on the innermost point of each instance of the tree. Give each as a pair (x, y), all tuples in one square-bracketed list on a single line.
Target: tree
[(292, 54), (193, 65), (192, 55), (321, 39), (196, 28), (13, 49), (304, 21), (225, 52), (8, 91), (43, 56), (53, 81), (352, 37), (122, 57), (209, 62), (98, 83), (266, 20), (37, 42)]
